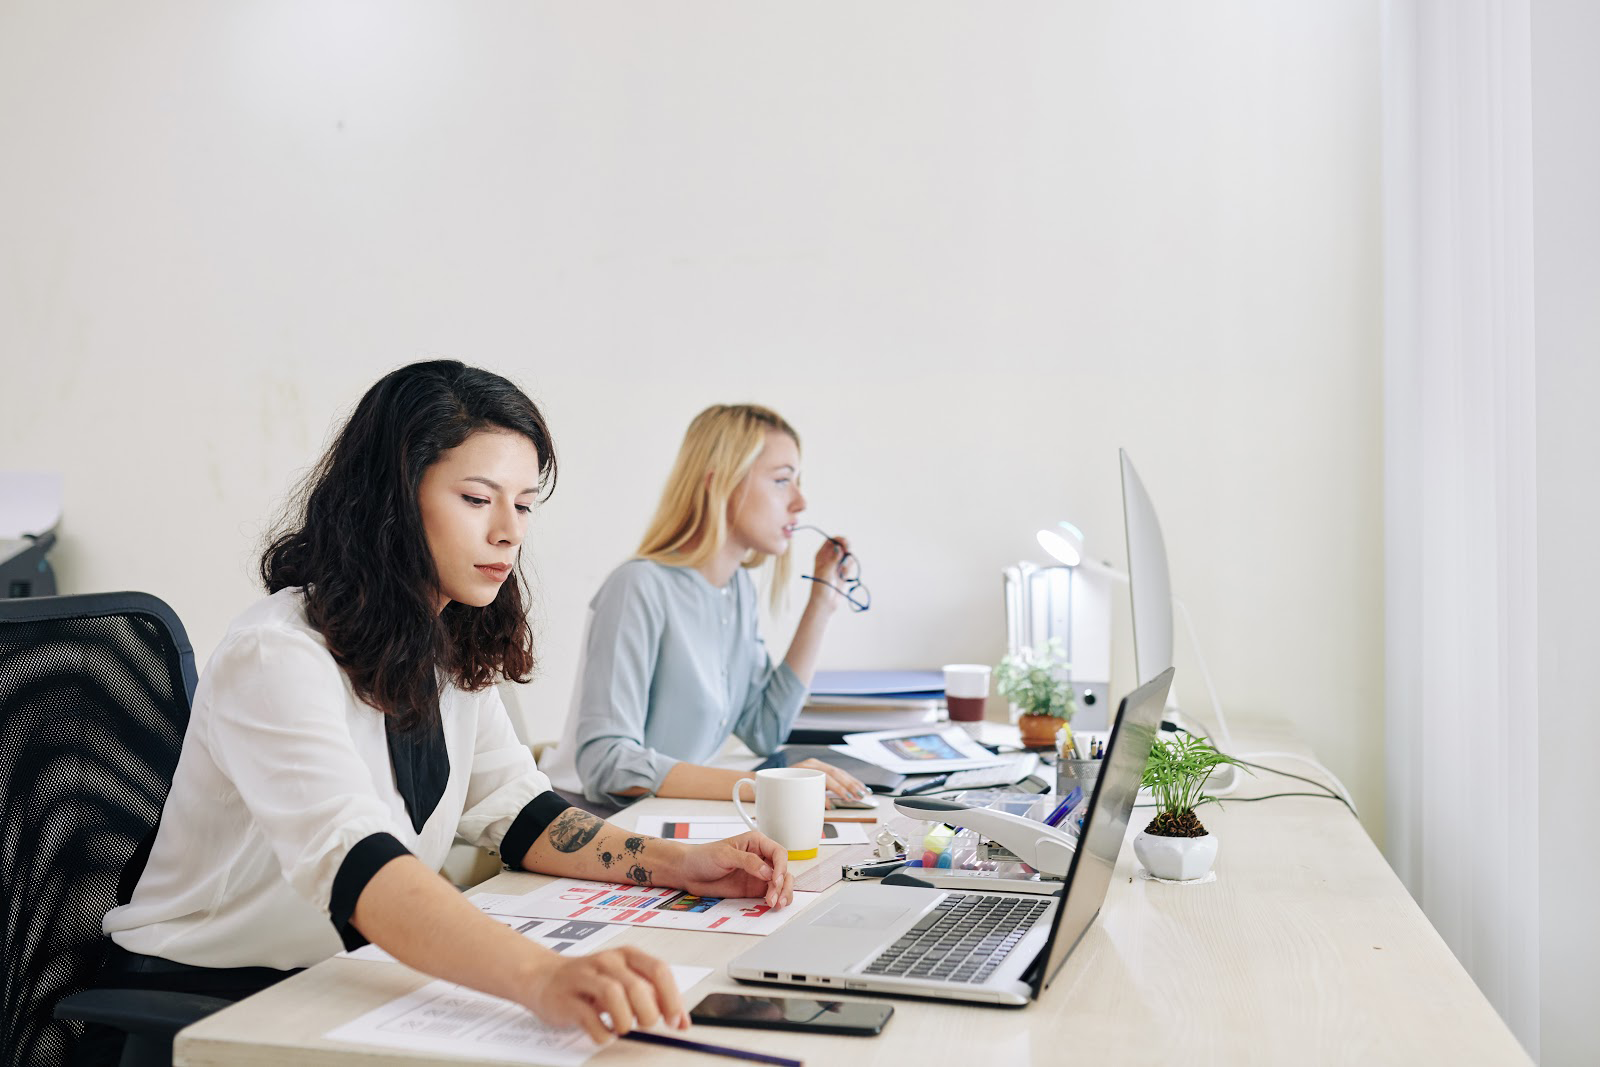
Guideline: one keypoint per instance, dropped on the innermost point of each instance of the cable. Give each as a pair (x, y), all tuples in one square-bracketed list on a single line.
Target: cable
[(1310, 781), (1342, 793), (1249, 800)]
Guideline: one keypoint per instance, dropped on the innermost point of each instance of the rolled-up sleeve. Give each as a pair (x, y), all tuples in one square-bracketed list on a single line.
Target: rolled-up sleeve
[(771, 705), (621, 647), (276, 727)]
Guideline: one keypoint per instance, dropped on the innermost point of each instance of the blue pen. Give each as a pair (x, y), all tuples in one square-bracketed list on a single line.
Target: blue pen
[(926, 787), (1065, 806)]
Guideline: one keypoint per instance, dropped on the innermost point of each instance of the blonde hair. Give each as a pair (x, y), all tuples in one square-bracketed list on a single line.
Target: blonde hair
[(691, 522)]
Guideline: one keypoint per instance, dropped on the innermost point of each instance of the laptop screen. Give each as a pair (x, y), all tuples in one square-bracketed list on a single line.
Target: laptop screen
[(1128, 749)]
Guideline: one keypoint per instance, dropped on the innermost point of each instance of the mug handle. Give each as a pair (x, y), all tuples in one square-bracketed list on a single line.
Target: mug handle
[(738, 806)]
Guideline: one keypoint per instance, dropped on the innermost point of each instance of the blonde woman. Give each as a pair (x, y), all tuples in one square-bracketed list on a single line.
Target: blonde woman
[(673, 662)]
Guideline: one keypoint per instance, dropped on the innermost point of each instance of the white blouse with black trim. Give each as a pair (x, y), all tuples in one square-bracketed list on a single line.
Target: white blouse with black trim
[(284, 803)]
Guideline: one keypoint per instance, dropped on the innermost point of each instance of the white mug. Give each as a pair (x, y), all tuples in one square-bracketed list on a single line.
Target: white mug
[(788, 807)]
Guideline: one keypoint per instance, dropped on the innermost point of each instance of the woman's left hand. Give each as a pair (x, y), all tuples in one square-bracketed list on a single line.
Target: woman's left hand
[(748, 865)]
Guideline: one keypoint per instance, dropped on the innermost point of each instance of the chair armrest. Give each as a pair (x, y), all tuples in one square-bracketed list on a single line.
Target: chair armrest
[(153, 1012)]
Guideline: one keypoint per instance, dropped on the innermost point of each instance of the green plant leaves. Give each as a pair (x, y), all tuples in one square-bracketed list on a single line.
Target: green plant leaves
[(1033, 681), (1177, 771)]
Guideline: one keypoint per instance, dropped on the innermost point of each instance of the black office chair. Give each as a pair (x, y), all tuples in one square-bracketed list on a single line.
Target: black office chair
[(94, 701)]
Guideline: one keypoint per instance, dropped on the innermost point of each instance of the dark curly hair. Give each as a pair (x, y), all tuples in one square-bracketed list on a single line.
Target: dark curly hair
[(352, 538)]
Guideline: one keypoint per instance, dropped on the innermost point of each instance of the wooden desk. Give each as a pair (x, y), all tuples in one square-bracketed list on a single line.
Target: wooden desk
[(1306, 949)]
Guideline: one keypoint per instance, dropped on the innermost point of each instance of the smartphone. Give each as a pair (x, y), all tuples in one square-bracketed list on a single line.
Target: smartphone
[(856, 1017)]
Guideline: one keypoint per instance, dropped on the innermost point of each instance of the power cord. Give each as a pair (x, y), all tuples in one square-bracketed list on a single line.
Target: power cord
[(1251, 800), (1337, 791)]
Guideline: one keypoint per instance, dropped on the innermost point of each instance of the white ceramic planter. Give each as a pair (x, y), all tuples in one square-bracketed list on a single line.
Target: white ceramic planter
[(1179, 858)]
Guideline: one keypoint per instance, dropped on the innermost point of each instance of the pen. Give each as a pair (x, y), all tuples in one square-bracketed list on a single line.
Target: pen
[(1065, 806), (714, 1050), (927, 787)]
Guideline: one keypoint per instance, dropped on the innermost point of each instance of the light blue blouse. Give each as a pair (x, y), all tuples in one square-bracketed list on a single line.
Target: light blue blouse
[(672, 665)]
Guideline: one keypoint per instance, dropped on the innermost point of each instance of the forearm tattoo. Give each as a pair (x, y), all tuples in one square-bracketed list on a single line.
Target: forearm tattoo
[(573, 829), (632, 849)]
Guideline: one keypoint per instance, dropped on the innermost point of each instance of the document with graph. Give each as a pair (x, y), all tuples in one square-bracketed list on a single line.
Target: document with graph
[(636, 905)]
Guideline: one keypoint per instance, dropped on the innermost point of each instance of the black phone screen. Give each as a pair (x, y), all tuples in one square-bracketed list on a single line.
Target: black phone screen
[(792, 1013)]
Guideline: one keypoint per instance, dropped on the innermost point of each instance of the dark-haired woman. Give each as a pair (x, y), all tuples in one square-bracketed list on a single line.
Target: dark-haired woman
[(347, 729)]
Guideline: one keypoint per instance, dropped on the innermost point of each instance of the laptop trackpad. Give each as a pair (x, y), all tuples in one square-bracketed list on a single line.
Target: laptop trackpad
[(860, 916)]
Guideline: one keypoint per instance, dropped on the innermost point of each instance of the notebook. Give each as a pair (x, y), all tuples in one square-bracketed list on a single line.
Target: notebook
[(994, 948)]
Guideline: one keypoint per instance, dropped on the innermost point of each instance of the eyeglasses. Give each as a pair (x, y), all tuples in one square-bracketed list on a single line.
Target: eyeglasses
[(848, 573)]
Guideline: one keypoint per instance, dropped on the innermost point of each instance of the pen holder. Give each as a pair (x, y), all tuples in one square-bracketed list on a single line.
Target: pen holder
[(1077, 774)]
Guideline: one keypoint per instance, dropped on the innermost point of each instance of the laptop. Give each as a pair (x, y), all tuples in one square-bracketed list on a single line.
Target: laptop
[(987, 948)]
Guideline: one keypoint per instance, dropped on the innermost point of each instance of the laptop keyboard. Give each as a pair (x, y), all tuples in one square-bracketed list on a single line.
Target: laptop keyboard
[(962, 940)]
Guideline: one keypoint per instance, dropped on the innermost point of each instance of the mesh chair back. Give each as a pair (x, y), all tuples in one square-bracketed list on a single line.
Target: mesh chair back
[(94, 701)]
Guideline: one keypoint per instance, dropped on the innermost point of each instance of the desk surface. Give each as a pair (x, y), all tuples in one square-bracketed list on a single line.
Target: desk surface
[(1305, 949)]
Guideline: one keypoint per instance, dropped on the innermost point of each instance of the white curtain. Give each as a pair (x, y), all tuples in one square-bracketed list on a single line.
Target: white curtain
[(1459, 456)]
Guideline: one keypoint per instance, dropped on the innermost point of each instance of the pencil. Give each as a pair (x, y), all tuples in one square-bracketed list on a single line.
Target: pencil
[(714, 1050), (849, 818)]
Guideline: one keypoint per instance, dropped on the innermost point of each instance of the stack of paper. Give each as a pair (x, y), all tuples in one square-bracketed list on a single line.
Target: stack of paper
[(872, 700)]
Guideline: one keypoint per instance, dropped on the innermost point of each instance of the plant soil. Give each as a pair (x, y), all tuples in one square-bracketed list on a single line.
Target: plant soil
[(1176, 824)]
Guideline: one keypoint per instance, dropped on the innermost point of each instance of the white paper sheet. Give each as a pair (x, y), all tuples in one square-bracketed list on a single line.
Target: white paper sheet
[(447, 1018), (699, 829), (633, 905), (924, 750), (573, 937)]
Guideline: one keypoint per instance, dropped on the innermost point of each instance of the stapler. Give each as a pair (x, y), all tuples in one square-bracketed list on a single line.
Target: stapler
[(1046, 849)]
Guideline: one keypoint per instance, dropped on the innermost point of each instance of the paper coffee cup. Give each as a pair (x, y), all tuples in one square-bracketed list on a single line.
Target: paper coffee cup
[(966, 689)]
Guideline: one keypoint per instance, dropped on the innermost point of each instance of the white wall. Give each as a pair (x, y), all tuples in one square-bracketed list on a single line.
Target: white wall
[(968, 250), (1566, 173)]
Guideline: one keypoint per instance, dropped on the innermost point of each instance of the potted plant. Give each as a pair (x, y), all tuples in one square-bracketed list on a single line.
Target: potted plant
[(1034, 682), (1175, 845)]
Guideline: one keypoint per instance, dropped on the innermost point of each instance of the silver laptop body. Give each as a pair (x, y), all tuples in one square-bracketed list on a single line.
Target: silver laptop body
[(989, 948)]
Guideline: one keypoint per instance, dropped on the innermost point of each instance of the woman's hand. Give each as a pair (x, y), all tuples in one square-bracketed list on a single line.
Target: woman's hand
[(840, 783), (825, 568), (749, 865), (634, 988)]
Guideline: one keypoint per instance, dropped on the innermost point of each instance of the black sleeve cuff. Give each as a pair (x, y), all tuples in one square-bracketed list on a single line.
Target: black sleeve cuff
[(532, 821), (362, 862)]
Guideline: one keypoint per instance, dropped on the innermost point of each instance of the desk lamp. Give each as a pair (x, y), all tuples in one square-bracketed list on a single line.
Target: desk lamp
[(1064, 543)]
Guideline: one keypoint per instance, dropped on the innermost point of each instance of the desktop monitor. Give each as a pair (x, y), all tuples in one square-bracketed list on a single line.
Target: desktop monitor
[(1149, 586)]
